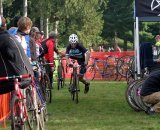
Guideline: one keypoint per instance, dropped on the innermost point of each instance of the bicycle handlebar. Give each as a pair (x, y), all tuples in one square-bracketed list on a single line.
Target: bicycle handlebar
[(15, 76)]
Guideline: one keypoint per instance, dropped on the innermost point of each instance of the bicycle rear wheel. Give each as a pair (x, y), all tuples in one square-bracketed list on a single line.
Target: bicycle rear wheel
[(48, 91), (32, 118), (123, 64), (129, 95), (16, 119), (59, 80)]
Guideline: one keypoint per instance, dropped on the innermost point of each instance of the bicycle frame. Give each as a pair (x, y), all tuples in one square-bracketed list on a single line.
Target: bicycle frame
[(94, 68), (74, 83), (60, 73), (22, 112)]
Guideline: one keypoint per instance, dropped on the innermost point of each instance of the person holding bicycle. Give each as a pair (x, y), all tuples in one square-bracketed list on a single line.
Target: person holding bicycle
[(47, 49), (77, 51), (13, 60)]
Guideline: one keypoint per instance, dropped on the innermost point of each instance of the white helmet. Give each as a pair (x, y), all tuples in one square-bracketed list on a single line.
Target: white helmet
[(73, 38)]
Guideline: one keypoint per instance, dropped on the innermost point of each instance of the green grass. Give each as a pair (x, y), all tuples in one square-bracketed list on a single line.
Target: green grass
[(103, 108)]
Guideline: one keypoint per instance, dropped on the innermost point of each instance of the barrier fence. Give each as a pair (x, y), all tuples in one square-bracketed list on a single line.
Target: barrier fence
[(101, 56)]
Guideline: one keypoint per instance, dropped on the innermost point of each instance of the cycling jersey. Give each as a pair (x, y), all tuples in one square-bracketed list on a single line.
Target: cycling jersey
[(76, 53)]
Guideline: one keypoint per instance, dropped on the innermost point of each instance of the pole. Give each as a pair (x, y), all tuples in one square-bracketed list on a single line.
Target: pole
[(137, 48)]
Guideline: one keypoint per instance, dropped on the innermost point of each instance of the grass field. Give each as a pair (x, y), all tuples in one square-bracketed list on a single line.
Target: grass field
[(103, 108)]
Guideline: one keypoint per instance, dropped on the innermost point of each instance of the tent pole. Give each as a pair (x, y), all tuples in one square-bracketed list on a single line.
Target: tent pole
[(137, 51)]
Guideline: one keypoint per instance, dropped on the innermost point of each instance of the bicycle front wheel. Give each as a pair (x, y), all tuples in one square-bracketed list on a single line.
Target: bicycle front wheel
[(16, 119), (76, 87), (32, 118), (48, 91)]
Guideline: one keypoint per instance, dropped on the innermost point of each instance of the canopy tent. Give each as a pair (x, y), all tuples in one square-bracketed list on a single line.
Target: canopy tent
[(145, 10)]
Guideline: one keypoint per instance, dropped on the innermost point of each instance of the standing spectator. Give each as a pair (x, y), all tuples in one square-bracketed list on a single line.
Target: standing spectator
[(102, 49), (48, 49), (22, 33)]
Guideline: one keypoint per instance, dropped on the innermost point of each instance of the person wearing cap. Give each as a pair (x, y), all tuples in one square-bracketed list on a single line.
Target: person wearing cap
[(34, 34), (48, 49), (77, 51)]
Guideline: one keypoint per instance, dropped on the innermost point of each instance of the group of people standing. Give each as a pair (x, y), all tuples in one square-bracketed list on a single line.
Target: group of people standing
[(23, 44), (29, 39)]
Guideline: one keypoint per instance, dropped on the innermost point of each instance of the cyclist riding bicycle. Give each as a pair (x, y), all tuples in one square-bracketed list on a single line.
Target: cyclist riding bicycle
[(77, 51)]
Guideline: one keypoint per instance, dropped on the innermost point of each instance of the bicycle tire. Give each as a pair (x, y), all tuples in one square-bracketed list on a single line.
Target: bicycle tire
[(90, 73), (123, 64), (59, 76), (107, 73), (32, 118), (71, 88), (129, 97), (63, 76), (16, 121), (40, 116), (114, 73), (137, 97), (48, 91), (77, 88), (45, 113), (129, 76)]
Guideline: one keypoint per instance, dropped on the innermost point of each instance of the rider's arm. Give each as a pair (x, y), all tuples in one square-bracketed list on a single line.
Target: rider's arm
[(85, 52), (67, 55)]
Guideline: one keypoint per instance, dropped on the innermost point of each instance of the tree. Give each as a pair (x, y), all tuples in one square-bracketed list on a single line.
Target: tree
[(84, 18), (118, 19)]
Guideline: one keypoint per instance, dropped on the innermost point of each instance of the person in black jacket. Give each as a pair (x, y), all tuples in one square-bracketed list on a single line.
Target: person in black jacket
[(150, 92), (13, 60)]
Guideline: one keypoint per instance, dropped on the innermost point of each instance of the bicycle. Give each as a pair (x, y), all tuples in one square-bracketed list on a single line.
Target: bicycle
[(94, 69), (60, 73), (45, 81), (19, 112), (123, 65), (133, 97), (74, 82), (40, 94)]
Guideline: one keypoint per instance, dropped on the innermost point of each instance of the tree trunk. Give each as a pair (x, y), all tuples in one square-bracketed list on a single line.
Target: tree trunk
[(115, 44), (46, 27), (25, 8), (125, 45), (41, 24), (56, 31), (1, 7)]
